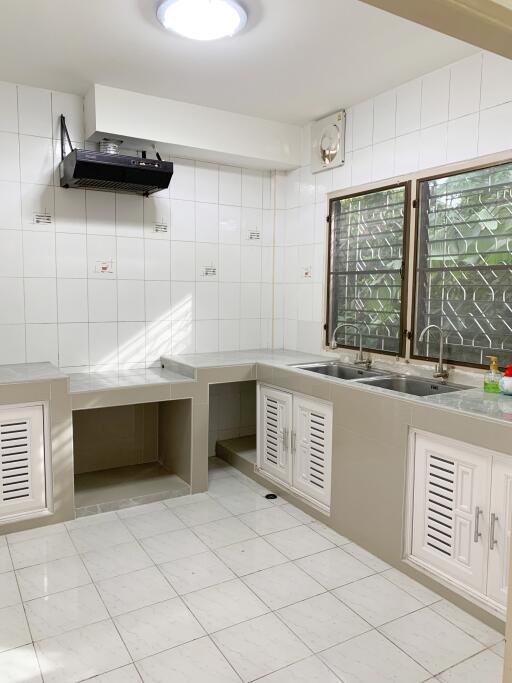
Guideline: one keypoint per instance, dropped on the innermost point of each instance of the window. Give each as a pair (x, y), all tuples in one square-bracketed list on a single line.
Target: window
[(464, 265), (366, 268)]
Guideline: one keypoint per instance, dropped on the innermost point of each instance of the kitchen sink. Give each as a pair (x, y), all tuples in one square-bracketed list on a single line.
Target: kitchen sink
[(341, 371), (417, 386)]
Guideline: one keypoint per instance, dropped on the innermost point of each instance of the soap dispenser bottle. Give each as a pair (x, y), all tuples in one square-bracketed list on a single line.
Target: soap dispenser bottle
[(492, 378)]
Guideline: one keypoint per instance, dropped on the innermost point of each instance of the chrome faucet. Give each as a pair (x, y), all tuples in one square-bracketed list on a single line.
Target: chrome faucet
[(440, 370), (360, 359)]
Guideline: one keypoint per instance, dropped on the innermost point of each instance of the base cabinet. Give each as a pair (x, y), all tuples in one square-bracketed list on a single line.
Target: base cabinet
[(461, 515), (23, 484), (295, 442)]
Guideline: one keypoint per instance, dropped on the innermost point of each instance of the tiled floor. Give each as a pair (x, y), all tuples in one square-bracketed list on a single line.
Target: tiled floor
[(221, 588)]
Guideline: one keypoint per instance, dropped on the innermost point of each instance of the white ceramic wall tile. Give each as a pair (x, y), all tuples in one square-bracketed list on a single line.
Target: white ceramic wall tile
[(129, 215), (8, 107), (362, 166), (130, 258), (435, 93), (72, 303), (408, 107), (496, 80), (207, 182), (10, 199), (42, 343), (433, 142), (10, 157), (72, 106), (495, 133), (462, 140), (36, 160), (183, 180), (465, 83), (102, 297), (383, 160), (158, 300), (363, 124), (384, 116), (40, 300), (35, 112), (103, 344)]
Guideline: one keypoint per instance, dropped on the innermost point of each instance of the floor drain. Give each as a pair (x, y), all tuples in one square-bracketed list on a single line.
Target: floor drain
[(271, 496)]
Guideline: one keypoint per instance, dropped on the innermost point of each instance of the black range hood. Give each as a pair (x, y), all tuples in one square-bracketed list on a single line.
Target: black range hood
[(93, 170)]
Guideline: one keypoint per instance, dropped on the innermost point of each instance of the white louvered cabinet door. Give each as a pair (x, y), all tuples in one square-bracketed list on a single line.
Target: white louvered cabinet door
[(312, 448), (274, 433), (500, 523), (450, 509), (22, 461)]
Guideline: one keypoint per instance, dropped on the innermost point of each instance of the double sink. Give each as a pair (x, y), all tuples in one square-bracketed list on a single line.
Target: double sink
[(405, 384)]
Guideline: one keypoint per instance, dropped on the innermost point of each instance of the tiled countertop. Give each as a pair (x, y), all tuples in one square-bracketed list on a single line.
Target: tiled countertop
[(84, 382), (29, 372)]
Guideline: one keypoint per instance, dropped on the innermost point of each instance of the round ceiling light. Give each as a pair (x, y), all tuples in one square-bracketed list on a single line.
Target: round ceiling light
[(202, 19)]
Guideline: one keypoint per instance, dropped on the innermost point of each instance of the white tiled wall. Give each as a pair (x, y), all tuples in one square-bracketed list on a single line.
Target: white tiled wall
[(97, 285), (457, 113)]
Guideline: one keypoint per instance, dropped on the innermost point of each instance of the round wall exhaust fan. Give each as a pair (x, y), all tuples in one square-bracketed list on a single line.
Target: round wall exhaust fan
[(328, 142)]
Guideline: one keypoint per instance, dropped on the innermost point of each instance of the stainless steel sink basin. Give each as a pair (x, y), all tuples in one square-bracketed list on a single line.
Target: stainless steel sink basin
[(340, 370), (417, 386)]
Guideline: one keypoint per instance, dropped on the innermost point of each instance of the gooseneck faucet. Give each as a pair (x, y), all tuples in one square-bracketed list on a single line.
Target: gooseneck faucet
[(360, 359), (440, 371)]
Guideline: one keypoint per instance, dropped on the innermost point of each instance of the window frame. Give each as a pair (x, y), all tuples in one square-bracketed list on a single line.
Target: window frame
[(415, 231), (406, 183)]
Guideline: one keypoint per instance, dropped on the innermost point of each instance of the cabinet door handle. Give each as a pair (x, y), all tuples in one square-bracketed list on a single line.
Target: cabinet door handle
[(477, 533), (492, 540), (285, 438), (293, 441)]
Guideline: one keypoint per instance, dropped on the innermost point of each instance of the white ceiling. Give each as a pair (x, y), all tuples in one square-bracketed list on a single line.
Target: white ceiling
[(296, 61)]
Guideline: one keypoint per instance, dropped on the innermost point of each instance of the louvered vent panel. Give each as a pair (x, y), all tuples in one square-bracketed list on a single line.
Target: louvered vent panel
[(272, 430), (15, 460), (316, 472), (440, 504)]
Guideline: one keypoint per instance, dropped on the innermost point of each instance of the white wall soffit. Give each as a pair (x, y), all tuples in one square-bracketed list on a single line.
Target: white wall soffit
[(191, 131)]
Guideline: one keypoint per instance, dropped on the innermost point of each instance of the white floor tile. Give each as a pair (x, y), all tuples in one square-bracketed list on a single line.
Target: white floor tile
[(323, 621), (33, 534), (201, 512), (431, 640), (172, 546), (334, 568), (227, 486), (260, 646), (77, 655), (91, 520), (499, 648), (224, 605), (417, 590), (194, 573), (223, 532), (126, 674), (269, 520), (195, 662), (329, 533), (116, 560), (366, 558), (5, 559), (20, 666), (13, 628), (283, 585), (298, 542), (153, 523), (100, 536), (299, 515), (65, 611), (484, 667), (52, 577), (377, 600), (310, 670), (9, 593), (39, 550), (473, 627), (250, 556), (135, 590), (153, 629), (371, 658), (172, 503), (241, 503), (137, 510)]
